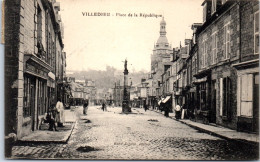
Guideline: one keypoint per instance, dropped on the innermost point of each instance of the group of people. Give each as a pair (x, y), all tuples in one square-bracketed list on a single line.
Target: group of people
[(55, 114)]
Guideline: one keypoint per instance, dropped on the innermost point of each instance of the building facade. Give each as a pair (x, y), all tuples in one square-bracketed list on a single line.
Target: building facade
[(215, 76), (248, 68), (31, 32)]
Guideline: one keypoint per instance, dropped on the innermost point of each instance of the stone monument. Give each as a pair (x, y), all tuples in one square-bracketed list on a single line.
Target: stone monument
[(126, 97)]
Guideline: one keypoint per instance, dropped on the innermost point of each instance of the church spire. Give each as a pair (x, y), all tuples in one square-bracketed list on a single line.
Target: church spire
[(162, 27)]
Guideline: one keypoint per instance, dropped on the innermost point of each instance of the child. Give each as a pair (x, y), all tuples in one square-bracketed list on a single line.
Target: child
[(50, 118)]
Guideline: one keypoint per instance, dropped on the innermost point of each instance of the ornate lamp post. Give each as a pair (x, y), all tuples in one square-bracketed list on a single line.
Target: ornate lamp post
[(126, 98)]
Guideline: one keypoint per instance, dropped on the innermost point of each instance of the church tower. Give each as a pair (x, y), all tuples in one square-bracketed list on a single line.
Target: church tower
[(160, 59), (162, 27), (162, 49)]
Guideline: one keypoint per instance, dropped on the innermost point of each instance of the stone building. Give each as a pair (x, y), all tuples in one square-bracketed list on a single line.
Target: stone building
[(248, 68), (32, 36), (226, 40), (218, 48), (91, 91), (160, 60), (118, 93)]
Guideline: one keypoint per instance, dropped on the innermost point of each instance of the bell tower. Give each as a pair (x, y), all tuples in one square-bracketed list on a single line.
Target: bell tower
[(162, 27)]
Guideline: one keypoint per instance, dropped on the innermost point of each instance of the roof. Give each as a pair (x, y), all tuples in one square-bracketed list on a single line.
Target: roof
[(162, 40), (162, 21)]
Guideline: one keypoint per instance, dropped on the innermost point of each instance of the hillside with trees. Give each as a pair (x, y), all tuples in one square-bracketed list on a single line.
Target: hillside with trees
[(107, 78)]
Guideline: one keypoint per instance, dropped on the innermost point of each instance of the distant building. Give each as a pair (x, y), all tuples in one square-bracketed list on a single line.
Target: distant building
[(160, 62)]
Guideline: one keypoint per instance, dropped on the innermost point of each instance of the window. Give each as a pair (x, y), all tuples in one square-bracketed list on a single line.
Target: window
[(225, 97), (204, 53), (39, 24), (227, 48), (214, 48), (213, 7), (256, 32)]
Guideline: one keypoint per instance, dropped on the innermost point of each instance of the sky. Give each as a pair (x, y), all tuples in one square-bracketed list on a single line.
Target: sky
[(94, 42)]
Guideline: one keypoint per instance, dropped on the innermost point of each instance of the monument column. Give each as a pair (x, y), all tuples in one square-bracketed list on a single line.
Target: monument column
[(126, 98)]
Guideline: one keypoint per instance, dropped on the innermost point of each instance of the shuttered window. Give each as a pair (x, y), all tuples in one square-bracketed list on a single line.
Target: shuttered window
[(214, 48), (214, 6), (247, 95), (227, 48), (205, 12)]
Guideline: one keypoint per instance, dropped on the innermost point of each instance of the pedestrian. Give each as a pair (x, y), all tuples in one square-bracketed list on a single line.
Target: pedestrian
[(166, 111), (60, 113), (85, 107), (103, 106), (50, 118), (178, 111), (145, 107)]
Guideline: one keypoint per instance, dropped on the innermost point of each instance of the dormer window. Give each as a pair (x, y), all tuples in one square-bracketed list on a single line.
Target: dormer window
[(213, 7), (224, 1), (205, 12)]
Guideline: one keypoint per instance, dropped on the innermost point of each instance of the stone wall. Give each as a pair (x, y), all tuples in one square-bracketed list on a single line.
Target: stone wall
[(12, 59)]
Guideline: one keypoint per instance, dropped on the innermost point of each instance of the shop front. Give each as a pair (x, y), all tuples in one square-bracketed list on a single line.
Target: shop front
[(248, 96), (203, 95), (36, 93)]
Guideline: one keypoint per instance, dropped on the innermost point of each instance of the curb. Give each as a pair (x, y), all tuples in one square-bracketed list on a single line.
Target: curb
[(63, 141), (213, 133)]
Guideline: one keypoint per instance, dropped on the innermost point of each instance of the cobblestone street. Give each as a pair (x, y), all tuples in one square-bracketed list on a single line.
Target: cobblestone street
[(139, 135)]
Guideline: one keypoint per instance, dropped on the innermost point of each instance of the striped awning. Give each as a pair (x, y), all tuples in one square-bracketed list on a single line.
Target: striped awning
[(160, 101), (166, 99)]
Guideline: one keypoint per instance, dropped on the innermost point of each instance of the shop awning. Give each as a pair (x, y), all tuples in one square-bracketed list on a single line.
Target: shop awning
[(166, 99), (51, 75), (160, 101)]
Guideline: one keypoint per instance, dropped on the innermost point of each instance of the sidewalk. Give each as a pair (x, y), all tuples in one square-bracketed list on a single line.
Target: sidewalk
[(218, 131), (46, 136)]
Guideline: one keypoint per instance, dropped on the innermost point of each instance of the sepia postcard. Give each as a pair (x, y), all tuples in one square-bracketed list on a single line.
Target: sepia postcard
[(131, 79)]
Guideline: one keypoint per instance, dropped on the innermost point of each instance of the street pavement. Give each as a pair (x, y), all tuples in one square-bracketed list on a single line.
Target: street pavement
[(139, 135)]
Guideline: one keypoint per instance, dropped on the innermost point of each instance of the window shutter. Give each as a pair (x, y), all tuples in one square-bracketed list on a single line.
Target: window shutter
[(216, 48), (221, 96), (250, 87), (244, 88), (229, 109), (229, 49)]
